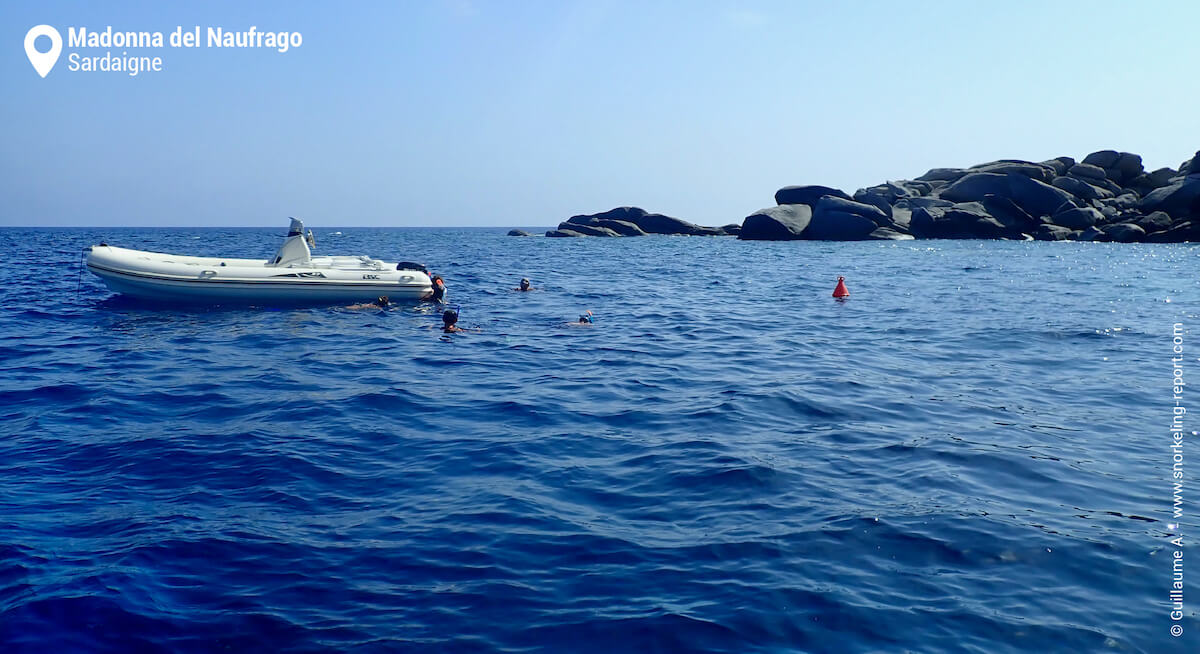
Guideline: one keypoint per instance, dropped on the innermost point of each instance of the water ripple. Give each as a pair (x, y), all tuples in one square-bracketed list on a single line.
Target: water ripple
[(967, 456)]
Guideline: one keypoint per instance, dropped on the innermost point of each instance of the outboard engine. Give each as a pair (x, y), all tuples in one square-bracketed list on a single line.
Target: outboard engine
[(294, 249)]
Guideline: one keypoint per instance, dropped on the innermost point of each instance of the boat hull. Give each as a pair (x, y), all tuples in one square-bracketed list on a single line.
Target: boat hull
[(176, 278)]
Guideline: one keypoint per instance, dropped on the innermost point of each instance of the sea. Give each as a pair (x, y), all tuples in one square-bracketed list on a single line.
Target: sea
[(972, 453)]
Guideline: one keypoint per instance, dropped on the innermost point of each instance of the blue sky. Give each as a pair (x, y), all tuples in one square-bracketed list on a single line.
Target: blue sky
[(522, 113)]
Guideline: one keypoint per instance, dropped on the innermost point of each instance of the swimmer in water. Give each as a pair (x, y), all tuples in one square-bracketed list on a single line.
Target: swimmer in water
[(439, 289), (585, 319), (380, 302), (449, 320), (524, 285)]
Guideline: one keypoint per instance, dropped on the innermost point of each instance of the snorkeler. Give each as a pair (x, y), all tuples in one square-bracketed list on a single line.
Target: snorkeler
[(524, 285), (380, 302), (449, 320), (439, 290), (585, 318)]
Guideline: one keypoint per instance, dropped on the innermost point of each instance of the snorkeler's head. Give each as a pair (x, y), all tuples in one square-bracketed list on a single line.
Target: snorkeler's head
[(382, 300), (585, 318), (449, 317), (524, 283)]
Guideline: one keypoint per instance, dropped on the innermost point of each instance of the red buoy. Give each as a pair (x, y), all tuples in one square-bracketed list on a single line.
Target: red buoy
[(841, 291)]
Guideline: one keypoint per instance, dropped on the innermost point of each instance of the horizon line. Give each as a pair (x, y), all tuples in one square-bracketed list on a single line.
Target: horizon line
[(548, 227)]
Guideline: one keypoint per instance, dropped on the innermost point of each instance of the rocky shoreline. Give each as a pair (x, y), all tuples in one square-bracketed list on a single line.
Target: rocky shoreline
[(1108, 196)]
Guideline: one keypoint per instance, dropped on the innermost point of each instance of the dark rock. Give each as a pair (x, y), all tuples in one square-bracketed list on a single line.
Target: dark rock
[(1127, 168), (1040, 172), (1077, 217), (967, 220), (917, 187), (1162, 177), (1090, 234), (621, 227), (1015, 219), (627, 214), (943, 175), (785, 222), (1124, 232), (806, 194), (1080, 189), (1191, 166), (870, 212), (888, 191), (563, 233), (837, 219), (732, 229), (1144, 184), (1036, 198), (1179, 199), (1155, 221), (1087, 172), (519, 232), (897, 190), (913, 203), (1058, 165), (888, 234), (649, 223), (1051, 233), (1110, 186), (586, 230), (1102, 159), (876, 200), (1187, 231), (838, 226), (1122, 202), (1119, 167), (975, 186)]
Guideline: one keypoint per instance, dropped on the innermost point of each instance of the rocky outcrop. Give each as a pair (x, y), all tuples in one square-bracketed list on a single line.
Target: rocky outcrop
[(630, 221), (1106, 196), (519, 232)]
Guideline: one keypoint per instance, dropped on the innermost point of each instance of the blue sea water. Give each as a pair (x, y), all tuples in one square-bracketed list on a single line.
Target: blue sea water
[(971, 454)]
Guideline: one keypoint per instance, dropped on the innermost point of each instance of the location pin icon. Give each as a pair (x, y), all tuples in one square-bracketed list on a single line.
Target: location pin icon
[(43, 61)]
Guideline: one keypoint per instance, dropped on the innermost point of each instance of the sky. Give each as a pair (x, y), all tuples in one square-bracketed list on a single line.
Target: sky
[(525, 112)]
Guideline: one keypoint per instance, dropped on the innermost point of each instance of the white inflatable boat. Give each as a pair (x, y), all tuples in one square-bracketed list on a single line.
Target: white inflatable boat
[(293, 275)]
